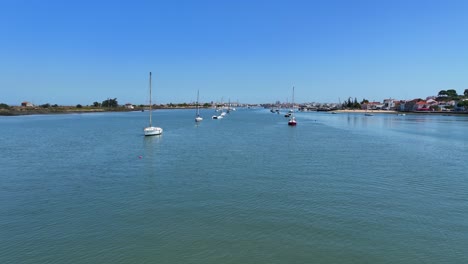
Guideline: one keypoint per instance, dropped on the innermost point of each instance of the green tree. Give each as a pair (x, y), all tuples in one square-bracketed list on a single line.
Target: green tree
[(442, 92), (206, 105), (434, 108), (110, 103), (356, 105), (4, 106), (364, 101), (452, 93), (96, 104), (79, 106), (465, 93), (463, 104), (45, 105)]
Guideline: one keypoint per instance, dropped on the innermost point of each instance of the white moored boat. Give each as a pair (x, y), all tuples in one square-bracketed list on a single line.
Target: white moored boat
[(151, 130), (292, 118), (198, 118)]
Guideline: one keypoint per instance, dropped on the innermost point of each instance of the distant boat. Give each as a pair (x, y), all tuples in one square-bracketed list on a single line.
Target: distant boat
[(198, 118), (151, 130), (292, 118), (221, 116)]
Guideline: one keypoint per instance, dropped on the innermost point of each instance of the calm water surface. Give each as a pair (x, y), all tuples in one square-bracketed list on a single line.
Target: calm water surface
[(345, 188)]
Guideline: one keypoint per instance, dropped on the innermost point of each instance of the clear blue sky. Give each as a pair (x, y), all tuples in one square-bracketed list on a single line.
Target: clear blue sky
[(78, 52)]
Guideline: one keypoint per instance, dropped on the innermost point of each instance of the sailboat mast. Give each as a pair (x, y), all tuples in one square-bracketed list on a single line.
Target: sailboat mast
[(293, 102), (198, 110), (150, 106)]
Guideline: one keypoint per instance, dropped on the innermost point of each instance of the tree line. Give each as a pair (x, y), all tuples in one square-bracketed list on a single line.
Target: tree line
[(451, 94), (349, 104)]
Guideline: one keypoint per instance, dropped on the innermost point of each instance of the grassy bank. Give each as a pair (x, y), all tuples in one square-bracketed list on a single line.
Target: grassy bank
[(37, 110), (18, 110)]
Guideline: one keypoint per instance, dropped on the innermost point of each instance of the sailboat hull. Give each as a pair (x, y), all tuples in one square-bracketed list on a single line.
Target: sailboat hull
[(292, 123), (198, 119), (153, 131)]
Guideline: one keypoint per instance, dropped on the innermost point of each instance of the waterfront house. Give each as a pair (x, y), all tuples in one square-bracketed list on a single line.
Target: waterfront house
[(26, 104), (397, 105), (447, 105), (402, 106), (408, 106), (422, 106), (372, 106), (389, 104), (129, 106)]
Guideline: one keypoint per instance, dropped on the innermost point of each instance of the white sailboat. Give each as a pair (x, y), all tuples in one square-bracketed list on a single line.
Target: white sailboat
[(292, 118), (151, 130), (198, 118)]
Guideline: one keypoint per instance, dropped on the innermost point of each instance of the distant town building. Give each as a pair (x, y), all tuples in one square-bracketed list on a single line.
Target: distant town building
[(408, 106), (26, 104), (389, 104), (129, 106), (422, 106), (372, 106)]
